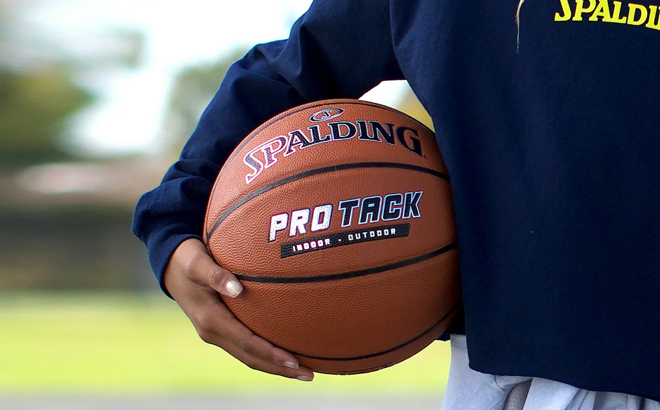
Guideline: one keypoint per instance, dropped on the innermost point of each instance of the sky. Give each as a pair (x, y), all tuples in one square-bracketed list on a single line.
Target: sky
[(178, 33)]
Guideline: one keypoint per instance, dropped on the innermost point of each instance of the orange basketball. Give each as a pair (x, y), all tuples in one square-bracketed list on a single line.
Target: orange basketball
[(337, 218)]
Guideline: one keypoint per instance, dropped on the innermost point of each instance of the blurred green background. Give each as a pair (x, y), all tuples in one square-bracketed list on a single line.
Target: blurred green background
[(96, 99)]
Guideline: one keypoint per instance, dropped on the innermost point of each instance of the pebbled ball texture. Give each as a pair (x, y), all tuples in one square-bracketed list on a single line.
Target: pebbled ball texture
[(337, 217)]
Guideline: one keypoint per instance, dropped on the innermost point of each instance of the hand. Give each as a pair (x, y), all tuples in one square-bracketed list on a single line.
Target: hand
[(194, 280)]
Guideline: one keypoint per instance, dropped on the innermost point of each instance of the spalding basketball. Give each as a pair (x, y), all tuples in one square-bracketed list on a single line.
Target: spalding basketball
[(337, 218)]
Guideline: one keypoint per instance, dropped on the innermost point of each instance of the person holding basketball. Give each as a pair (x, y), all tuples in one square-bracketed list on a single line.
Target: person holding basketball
[(547, 116)]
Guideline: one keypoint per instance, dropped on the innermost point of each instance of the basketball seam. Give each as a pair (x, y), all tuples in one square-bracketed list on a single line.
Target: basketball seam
[(352, 274), (368, 356), (317, 171)]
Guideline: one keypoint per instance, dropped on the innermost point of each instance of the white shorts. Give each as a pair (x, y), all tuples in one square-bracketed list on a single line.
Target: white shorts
[(468, 389)]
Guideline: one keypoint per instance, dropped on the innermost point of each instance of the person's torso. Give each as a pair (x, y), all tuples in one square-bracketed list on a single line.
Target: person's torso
[(548, 115)]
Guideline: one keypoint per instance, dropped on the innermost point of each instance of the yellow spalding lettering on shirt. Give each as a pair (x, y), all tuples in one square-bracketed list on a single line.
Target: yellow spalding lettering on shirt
[(566, 11), (637, 14), (652, 21), (607, 11), (580, 9)]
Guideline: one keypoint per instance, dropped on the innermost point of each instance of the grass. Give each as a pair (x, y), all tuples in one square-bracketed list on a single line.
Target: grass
[(121, 343)]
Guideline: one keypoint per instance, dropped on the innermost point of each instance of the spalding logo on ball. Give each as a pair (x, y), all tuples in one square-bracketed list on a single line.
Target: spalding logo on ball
[(337, 218)]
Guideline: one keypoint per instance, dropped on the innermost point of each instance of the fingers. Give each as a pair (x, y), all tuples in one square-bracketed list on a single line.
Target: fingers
[(224, 330), (195, 262), (194, 281)]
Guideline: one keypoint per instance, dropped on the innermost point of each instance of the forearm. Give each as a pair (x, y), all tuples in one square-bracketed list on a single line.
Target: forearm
[(314, 63)]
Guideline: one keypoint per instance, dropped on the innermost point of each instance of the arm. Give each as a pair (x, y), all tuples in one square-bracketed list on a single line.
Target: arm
[(337, 49)]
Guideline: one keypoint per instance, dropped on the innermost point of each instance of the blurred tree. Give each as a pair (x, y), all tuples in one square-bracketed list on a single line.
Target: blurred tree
[(34, 107), (193, 89), (41, 87)]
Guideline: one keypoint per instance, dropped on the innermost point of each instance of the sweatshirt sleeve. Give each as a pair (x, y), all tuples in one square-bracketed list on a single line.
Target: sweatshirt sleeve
[(337, 49)]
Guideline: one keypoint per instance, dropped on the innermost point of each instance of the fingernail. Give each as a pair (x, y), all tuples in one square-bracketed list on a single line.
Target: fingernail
[(233, 288), (304, 378), (291, 365)]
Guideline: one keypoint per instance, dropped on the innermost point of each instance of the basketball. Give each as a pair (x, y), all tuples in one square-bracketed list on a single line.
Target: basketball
[(337, 218)]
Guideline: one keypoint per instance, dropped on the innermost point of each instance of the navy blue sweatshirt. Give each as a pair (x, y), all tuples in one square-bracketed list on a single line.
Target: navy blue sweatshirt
[(548, 116)]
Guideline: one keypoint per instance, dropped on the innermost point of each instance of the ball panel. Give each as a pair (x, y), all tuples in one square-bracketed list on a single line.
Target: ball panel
[(354, 317), (379, 362), (247, 230)]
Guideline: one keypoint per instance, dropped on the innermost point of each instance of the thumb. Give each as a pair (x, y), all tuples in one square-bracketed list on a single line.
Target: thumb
[(224, 282), (202, 269)]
